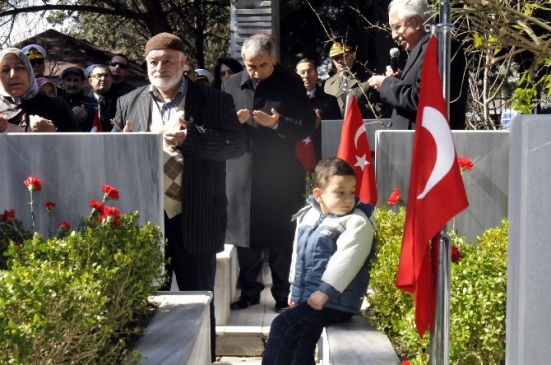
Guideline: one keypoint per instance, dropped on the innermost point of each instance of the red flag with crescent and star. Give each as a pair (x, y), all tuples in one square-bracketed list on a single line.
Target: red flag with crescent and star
[(436, 192), (304, 150), (354, 149)]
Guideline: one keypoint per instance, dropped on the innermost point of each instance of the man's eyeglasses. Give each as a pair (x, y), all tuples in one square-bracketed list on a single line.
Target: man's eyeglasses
[(115, 64), (36, 62), (99, 76), (227, 72)]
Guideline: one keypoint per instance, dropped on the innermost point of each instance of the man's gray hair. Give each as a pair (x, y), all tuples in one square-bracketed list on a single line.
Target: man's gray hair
[(407, 9), (256, 45)]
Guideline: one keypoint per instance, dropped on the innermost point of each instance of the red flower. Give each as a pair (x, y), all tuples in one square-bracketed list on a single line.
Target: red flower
[(110, 192), (49, 206), (111, 214), (64, 225), (8, 215), (97, 205), (33, 184), (394, 197), (465, 164), (456, 254)]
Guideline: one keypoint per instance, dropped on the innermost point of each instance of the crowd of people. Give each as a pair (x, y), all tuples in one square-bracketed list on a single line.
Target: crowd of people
[(230, 170)]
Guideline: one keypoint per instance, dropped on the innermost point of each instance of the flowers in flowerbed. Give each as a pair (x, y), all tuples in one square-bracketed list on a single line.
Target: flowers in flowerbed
[(72, 297)]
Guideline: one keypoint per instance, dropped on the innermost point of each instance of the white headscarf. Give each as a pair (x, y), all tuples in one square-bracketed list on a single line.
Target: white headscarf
[(8, 103), (33, 87)]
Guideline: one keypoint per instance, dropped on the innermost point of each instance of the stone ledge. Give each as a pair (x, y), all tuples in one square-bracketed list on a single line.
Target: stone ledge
[(356, 342), (179, 333)]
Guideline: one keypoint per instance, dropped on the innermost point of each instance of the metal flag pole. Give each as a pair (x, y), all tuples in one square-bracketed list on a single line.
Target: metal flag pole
[(345, 74), (440, 334)]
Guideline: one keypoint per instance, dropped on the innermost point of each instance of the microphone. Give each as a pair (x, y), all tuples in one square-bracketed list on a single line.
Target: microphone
[(394, 54)]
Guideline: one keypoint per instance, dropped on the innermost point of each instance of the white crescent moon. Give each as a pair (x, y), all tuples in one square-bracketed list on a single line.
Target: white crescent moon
[(359, 132), (438, 127)]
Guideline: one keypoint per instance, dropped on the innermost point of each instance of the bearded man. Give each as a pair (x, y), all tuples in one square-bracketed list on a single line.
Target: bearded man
[(200, 131)]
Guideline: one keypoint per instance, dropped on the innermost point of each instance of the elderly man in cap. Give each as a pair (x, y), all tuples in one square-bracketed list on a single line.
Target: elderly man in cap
[(37, 57), (200, 131), (82, 106), (347, 68)]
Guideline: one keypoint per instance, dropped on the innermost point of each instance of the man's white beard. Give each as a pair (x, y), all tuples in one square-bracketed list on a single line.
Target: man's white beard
[(164, 83)]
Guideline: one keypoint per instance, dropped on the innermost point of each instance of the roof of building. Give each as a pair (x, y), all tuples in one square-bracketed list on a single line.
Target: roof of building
[(66, 51)]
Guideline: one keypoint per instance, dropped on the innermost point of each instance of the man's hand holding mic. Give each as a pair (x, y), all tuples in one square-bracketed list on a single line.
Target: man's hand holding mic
[(392, 70)]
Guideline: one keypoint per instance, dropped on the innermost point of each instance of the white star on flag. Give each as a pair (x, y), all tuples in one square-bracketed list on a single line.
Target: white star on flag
[(307, 140), (361, 162)]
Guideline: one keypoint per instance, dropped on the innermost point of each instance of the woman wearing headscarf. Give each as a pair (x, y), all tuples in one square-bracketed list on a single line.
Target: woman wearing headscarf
[(225, 68), (22, 106)]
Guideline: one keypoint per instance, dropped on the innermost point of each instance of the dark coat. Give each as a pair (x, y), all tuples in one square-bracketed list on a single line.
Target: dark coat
[(90, 105), (50, 108), (217, 136), (266, 185), (403, 94)]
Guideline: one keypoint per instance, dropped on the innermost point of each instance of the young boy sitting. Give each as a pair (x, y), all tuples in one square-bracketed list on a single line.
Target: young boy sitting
[(330, 269)]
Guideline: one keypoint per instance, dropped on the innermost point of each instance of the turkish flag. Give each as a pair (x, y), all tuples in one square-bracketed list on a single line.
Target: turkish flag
[(96, 124), (304, 150), (436, 192), (354, 149)]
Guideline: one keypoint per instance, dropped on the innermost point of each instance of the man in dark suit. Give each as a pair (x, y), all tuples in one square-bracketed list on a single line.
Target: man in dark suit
[(200, 131), (401, 89), (263, 186), (325, 105)]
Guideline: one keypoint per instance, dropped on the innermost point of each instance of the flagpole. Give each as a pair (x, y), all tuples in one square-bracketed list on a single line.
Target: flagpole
[(440, 334)]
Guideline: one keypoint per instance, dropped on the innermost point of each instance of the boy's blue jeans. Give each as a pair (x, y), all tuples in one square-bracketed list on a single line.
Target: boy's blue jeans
[(295, 333)]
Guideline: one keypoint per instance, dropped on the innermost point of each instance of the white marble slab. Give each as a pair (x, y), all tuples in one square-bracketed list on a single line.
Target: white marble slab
[(73, 167), (356, 342), (179, 333), (529, 253)]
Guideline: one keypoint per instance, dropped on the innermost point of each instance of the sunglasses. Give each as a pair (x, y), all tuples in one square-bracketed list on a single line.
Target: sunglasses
[(115, 64), (36, 62), (227, 72)]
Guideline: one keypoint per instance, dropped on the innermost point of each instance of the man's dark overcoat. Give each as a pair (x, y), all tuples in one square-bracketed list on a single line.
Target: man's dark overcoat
[(269, 172), (214, 136)]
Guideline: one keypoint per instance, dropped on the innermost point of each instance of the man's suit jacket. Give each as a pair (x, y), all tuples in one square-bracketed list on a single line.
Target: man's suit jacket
[(403, 93), (214, 134)]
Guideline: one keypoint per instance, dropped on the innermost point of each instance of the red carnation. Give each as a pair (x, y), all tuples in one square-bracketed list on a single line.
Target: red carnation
[(465, 164), (49, 206), (394, 197), (111, 214), (456, 254), (110, 192), (33, 184), (8, 215), (97, 205), (64, 225)]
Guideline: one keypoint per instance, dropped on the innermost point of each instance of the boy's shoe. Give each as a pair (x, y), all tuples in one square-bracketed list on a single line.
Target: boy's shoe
[(243, 303), (281, 305)]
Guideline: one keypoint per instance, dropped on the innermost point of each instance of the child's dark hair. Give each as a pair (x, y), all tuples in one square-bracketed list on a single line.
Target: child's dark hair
[(329, 167)]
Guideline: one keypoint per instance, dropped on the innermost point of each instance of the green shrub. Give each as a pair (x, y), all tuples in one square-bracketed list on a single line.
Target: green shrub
[(73, 298), (478, 296)]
